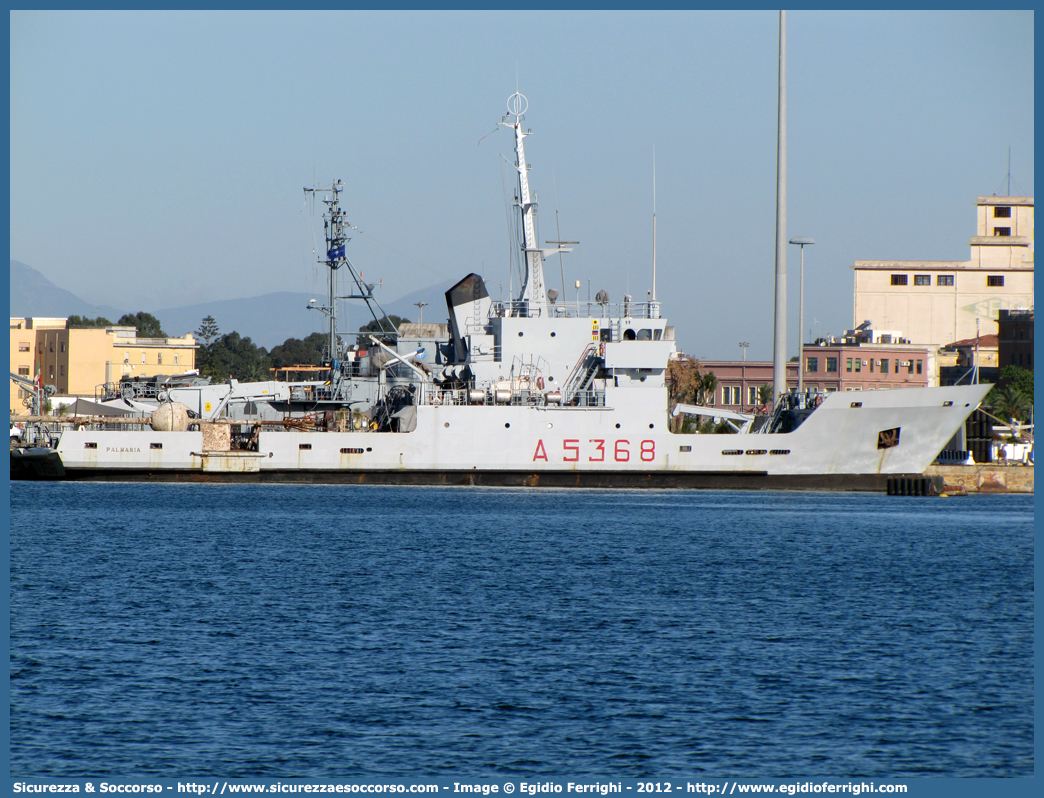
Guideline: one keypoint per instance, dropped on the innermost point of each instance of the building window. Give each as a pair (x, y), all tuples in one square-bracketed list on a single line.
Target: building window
[(126, 358), (62, 346), (159, 358), (871, 365), (848, 364), (919, 365), (51, 345), (1002, 231), (175, 358), (61, 371), (811, 364), (944, 279), (909, 366), (752, 394), (898, 279), (922, 279), (884, 365), (23, 346), (831, 364), (995, 280), (23, 371), (858, 364), (731, 396), (143, 358), (1001, 212)]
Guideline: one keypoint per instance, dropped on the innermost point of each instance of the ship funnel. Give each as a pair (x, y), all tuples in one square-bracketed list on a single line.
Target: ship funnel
[(469, 306)]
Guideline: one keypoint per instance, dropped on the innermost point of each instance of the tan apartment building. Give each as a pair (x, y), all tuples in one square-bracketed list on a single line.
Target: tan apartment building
[(24, 355), (78, 360), (937, 302)]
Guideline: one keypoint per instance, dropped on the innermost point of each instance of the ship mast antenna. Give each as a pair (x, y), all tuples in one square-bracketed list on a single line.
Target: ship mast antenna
[(336, 227), (533, 299), (654, 227)]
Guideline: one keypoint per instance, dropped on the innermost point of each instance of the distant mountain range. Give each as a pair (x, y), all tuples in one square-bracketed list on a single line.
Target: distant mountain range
[(268, 320), (32, 294)]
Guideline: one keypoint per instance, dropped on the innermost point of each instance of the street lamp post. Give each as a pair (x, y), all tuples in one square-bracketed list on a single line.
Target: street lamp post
[(801, 242), (421, 306)]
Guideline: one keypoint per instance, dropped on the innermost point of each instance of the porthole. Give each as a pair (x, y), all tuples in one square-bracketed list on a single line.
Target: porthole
[(507, 426), (369, 448), (552, 335), (651, 426), (550, 425), (446, 424), (519, 333), (618, 426)]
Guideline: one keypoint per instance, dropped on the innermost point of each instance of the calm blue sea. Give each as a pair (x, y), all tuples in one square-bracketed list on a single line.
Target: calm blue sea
[(344, 631)]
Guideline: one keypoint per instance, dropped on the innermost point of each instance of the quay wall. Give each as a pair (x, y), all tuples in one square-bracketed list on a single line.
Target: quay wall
[(985, 478)]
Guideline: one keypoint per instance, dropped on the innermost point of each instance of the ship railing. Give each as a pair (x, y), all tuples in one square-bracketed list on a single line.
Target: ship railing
[(437, 397), (579, 309)]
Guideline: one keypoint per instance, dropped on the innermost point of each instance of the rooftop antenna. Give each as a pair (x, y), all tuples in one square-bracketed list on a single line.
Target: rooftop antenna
[(1009, 171)]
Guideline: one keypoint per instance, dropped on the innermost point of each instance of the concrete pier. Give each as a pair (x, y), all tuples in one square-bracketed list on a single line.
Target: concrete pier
[(985, 478)]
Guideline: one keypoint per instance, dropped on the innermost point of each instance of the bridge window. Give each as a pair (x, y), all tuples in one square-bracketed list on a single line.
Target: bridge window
[(645, 335), (629, 335)]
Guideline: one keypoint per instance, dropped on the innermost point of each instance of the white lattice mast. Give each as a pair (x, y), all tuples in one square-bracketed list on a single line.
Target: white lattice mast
[(534, 291)]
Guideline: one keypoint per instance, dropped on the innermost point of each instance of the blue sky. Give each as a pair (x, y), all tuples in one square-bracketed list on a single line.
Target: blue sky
[(157, 158)]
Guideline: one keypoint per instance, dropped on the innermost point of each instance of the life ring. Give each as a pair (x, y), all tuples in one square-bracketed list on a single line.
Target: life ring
[(540, 383)]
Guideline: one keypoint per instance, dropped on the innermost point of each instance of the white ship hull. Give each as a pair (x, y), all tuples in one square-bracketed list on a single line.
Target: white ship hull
[(528, 391), (501, 444)]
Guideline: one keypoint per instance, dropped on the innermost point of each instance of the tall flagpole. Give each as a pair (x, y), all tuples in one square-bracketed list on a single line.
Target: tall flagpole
[(654, 228), (779, 349)]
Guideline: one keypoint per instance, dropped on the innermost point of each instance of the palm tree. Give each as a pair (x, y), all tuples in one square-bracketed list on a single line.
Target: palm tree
[(708, 385), (1010, 403)]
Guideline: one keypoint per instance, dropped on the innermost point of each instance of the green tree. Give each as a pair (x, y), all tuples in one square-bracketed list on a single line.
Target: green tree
[(231, 355), (381, 325), (83, 321), (765, 395), (708, 385), (1010, 403), (297, 352), (1019, 378), (208, 330), (147, 324)]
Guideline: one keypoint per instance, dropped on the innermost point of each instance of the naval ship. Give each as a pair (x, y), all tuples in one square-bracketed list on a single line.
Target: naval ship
[(530, 391)]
